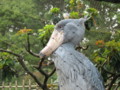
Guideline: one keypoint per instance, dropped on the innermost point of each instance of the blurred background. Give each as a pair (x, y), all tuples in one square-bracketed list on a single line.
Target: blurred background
[(26, 25)]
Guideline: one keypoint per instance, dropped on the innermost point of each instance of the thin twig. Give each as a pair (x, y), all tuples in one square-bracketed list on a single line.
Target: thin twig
[(52, 72), (108, 71), (40, 63), (39, 68), (28, 47), (113, 81), (21, 61)]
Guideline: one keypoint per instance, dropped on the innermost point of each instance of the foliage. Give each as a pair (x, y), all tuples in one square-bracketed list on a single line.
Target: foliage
[(45, 33), (74, 15), (19, 19), (4, 62), (53, 15), (55, 10), (100, 43), (72, 3), (7, 64), (16, 14), (22, 31), (75, 5), (118, 16), (92, 11), (107, 58)]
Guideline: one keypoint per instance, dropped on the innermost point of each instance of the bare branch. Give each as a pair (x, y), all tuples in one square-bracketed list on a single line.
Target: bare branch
[(17, 55), (45, 74), (28, 47), (40, 63), (21, 61), (39, 68), (47, 77), (52, 72), (36, 55)]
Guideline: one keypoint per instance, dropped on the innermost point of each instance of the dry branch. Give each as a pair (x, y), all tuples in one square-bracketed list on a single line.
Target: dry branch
[(21, 61), (39, 68), (28, 47)]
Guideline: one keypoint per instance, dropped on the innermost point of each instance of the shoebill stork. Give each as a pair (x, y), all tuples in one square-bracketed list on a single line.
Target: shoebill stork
[(75, 71)]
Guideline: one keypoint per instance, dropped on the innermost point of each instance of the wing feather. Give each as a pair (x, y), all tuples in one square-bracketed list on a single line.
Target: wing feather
[(75, 71)]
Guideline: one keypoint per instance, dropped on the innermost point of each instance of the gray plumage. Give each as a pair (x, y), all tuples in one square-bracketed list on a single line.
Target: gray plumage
[(75, 71), (73, 29)]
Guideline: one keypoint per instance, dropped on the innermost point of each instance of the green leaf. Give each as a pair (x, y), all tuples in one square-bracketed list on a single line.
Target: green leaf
[(55, 10), (74, 15)]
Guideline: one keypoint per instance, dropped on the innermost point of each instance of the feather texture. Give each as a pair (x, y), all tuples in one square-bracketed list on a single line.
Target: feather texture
[(75, 71)]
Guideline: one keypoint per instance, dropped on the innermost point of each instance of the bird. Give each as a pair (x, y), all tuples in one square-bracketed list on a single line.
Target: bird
[(74, 70)]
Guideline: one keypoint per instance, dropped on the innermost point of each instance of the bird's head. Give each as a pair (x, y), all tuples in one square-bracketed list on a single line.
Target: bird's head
[(68, 30)]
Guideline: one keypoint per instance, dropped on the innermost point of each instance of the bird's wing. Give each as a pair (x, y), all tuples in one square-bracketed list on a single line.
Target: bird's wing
[(69, 71), (91, 73), (77, 70)]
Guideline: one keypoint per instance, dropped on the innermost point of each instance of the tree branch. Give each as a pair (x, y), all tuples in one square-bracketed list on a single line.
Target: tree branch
[(113, 81), (45, 74), (28, 47), (17, 55), (52, 72), (108, 71), (21, 61), (39, 68)]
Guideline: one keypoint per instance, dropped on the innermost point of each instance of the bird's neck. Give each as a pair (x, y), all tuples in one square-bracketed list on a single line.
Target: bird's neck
[(68, 45)]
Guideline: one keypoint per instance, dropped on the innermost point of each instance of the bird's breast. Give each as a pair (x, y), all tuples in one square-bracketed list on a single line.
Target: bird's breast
[(74, 69), (68, 67)]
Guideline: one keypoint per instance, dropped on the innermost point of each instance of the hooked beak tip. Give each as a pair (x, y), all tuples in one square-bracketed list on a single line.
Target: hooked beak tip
[(41, 55)]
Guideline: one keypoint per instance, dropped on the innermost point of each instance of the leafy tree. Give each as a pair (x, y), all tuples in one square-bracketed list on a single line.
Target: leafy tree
[(113, 1), (26, 28), (15, 14), (107, 60)]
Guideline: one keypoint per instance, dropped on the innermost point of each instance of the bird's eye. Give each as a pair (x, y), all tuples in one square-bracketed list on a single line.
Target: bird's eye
[(60, 26)]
